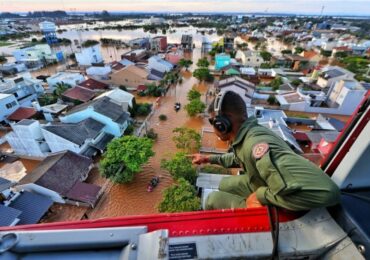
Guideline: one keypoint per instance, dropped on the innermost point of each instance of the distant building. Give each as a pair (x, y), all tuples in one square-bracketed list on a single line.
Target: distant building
[(157, 63), (249, 58), (157, 20), (99, 72), (135, 55), (103, 110), (25, 88), (139, 43), (8, 104), (36, 56), (222, 60), (158, 43), (131, 77), (229, 40), (243, 87), (187, 42), (122, 98), (69, 78), (89, 56)]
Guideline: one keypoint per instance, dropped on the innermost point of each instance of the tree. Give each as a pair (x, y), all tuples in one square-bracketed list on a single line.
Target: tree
[(296, 82), (202, 74), (124, 158), (89, 43), (276, 83), (186, 139), (266, 56), (341, 55), (3, 59), (195, 107), (60, 89), (271, 100), (193, 94), (180, 197), (298, 50), (287, 51), (185, 63), (203, 63), (325, 53), (180, 166)]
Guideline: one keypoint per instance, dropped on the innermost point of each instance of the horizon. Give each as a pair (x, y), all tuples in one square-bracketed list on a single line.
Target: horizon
[(268, 7)]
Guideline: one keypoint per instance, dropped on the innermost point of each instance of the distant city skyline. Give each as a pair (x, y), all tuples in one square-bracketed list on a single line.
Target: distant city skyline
[(332, 7)]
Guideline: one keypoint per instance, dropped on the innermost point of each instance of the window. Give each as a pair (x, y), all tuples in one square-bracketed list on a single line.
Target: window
[(29, 55), (258, 60), (9, 105), (249, 59)]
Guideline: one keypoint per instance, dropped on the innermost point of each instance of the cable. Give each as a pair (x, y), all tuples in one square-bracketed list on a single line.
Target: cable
[(274, 225)]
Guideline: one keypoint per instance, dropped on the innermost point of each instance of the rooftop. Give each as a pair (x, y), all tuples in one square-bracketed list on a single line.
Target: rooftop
[(79, 93), (93, 84), (22, 113)]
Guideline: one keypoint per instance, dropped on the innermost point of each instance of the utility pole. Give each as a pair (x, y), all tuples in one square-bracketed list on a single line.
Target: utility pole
[(322, 10)]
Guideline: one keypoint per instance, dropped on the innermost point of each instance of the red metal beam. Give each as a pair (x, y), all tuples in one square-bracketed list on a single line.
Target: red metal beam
[(180, 224)]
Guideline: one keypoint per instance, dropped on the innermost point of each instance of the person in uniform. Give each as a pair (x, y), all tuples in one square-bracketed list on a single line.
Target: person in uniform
[(273, 173)]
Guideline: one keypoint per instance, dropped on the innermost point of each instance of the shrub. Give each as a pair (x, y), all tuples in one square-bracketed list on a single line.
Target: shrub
[(151, 134), (162, 117)]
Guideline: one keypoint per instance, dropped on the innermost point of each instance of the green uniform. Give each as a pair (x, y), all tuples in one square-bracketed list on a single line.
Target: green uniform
[(279, 176)]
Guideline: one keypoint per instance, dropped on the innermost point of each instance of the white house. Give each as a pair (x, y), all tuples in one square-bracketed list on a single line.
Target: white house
[(249, 58), (27, 139), (8, 104), (155, 62), (69, 78), (99, 73), (36, 56), (25, 88), (103, 110), (120, 97), (241, 86), (332, 74), (90, 55)]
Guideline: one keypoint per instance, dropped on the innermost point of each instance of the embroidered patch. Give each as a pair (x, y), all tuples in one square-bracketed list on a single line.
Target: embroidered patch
[(259, 150)]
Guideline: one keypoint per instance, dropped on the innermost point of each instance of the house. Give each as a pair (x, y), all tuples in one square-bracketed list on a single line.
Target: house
[(157, 63), (78, 94), (68, 78), (94, 85), (249, 58), (187, 42), (139, 43), (135, 55), (9, 69), (228, 41), (22, 113), (156, 75), (27, 139), (103, 110), (131, 77), (158, 43), (25, 88), (122, 98), (243, 87), (52, 111), (37, 56), (312, 56), (21, 207), (296, 62), (76, 137), (332, 74), (61, 176), (222, 60), (174, 57), (248, 71), (89, 56), (8, 104), (99, 72)]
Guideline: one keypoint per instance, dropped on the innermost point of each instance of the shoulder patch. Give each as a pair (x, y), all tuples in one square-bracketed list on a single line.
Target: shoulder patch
[(259, 150)]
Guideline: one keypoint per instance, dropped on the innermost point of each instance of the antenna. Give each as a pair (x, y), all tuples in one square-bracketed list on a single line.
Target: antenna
[(322, 10)]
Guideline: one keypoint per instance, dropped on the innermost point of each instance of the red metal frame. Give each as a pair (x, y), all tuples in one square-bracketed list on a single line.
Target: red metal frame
[(180, 224)]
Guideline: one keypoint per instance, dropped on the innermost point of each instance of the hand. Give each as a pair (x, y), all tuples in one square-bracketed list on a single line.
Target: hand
[(197, 158), (253, 202)]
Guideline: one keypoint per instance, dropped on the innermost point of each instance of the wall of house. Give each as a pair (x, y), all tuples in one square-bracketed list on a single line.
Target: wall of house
[(58, 144), (129, 79), (12, 103), (110, 126), (24, 146), (89, 55), (72, 81)]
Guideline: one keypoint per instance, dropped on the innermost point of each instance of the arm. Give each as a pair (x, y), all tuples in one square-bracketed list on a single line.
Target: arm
[(227, 160)]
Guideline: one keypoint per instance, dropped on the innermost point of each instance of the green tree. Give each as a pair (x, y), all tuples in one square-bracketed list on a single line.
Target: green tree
[(203, 63), (89, 43), (296, 82), (180, 197), (276, 83), (287, 51), (341, 55), (271, 100), (60, 89), (298, 50), (193, 94), (266, 56), (124, 158), (195, 107), (202, 74), (180, 166), (3, 59), (325, 53), (185, 63), (187, 139)]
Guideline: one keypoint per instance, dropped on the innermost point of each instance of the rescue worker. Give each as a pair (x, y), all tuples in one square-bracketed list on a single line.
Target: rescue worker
[(274, 174)]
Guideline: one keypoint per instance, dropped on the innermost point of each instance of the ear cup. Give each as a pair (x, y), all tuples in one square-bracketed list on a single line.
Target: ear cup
[(222, 124)]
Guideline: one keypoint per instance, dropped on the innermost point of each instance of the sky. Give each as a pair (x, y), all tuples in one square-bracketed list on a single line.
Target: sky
[(332, 7)]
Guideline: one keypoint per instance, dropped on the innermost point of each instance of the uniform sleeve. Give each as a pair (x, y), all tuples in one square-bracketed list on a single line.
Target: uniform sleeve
[(227, 160), (304, 188)]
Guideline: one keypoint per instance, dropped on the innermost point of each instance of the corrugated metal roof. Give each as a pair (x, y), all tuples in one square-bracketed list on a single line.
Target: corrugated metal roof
[(33, 207), (8, 215), (4, 184), (84, 192)]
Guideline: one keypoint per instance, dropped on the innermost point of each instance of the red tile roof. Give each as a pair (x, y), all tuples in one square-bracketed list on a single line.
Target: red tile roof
[(22, 113), (309, 54), (342, 48), (79, 93), (142, 88), (93, 84)]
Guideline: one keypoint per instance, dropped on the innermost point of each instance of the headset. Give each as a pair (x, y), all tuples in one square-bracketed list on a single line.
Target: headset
[(221, 122)]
